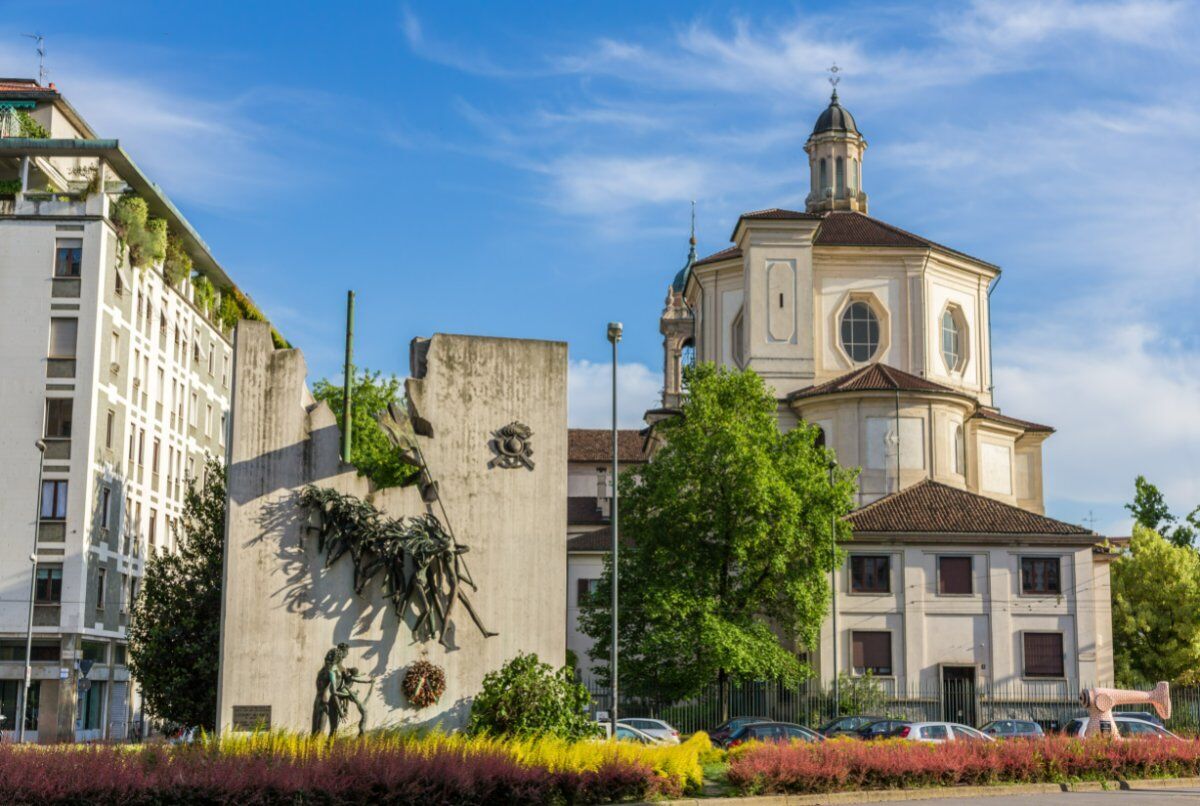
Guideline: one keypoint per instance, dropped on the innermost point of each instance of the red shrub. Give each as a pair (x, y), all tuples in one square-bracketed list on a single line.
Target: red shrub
[(847, 765), (351, 774)]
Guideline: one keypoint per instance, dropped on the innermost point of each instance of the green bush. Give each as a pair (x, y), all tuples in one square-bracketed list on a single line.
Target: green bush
[(529, 698), (177, 266)]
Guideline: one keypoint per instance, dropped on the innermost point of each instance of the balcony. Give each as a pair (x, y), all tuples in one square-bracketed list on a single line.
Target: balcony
[(50, 204), (57, 447), (65, 288), (60, 367)]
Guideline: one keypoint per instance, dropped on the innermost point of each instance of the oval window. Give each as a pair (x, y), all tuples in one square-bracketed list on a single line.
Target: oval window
[(952, 340), (860, 331)]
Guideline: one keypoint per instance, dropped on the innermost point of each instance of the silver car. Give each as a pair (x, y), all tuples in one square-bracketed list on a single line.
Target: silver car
[(939, 732), (653, 727), (1129, 728)]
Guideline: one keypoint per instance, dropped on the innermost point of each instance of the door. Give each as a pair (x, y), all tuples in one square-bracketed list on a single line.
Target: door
[(958, 694)]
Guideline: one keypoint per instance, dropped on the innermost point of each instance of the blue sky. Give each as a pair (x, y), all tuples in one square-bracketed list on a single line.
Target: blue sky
[(525, 170)]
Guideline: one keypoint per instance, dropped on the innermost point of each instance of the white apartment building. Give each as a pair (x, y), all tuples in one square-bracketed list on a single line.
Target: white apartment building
[(125, 380)]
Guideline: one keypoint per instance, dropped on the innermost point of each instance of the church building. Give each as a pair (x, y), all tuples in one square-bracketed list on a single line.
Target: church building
[(882, 339)]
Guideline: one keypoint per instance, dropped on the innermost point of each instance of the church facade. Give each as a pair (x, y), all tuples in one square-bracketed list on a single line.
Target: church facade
[(882, 339)]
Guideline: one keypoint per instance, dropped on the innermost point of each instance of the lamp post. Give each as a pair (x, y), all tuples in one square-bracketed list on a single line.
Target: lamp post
[(614, 336), (837, 700), (23, 701)]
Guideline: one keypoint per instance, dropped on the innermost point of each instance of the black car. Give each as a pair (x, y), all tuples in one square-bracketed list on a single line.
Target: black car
[(721, 732), (772, 732), (846, 725), (880, 729)]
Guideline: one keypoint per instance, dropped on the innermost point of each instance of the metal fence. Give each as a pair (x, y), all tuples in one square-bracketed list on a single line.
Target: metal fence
[(1051, 704)]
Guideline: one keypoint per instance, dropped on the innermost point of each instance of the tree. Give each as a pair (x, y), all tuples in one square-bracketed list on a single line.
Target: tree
[(527, 697), (371, 450), (727, 548), (1150, 510), (175, 631), (1156, 611)]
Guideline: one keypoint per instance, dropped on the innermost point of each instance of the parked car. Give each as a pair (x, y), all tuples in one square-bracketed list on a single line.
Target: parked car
[(879, 729), (1126, 726), (653, 727), (772, 732), (721, 732), (939, 732), (1013, 729), (1146, 716), (846, 725), (626, 733)]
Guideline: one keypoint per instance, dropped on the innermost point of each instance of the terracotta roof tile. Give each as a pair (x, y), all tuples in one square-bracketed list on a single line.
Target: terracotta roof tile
[(873, 377), (24, 86), (992, 414), (595, 445), (716, 257), (931, 506), (584, 509), (599, 540)]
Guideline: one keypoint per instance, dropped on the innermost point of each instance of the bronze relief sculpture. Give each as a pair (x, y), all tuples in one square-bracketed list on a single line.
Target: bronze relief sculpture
[(335, 693)]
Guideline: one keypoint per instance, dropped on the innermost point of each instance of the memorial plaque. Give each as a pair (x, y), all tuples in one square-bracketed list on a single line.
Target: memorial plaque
[(251, 717)]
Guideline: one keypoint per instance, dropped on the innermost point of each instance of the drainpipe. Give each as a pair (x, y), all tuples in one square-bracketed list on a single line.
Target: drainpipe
[(991, 378)]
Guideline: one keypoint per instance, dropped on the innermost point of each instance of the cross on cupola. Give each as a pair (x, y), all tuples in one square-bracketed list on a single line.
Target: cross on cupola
[(835, 151)]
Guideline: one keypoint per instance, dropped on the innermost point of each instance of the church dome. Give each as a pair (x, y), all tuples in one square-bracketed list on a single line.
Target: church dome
[(835, 118), (680, 278)]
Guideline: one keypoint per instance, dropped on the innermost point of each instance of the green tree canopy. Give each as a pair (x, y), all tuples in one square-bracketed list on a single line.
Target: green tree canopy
[(1150, 510), (1156, 611), (175, 632), (727, 546), (371, 450)]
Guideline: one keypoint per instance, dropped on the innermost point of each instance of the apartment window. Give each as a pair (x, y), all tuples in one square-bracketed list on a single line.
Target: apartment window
[(105, 507), (954, 575), (141, 456), (54, 500), (161, 391), (871, 652), (221, 434), (63, 333), (208, 419), (870, 574), (212, 354), (110, 426), (132, 445), (1043, 654), (155, 454), (48, 586), (119, 654), (58, 417), (118, 283), (124, 593), (95, 651), (114, 348), (68, 257), (153, 528), (195, 413), (584, 589), (101, 587), (225, 362), (1040, 575)]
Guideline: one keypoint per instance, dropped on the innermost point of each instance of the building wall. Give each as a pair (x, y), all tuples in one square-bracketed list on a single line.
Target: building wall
[(284, 609), (983, 629), (102, 382)]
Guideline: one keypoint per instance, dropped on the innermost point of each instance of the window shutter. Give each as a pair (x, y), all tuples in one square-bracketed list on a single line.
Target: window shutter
[(872, 650), (1043, 654), (954, 575)]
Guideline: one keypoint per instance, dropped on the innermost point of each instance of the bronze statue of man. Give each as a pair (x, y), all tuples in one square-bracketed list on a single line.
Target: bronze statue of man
[(325, 705)]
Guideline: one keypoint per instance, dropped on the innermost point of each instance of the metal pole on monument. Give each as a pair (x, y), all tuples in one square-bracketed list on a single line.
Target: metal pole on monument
[(348, 378), (23, 705), (614, 336)]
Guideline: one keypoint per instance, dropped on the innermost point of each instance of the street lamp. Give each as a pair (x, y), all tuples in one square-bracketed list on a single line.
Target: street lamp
[(22, 704), (837, 700), (614, 336)]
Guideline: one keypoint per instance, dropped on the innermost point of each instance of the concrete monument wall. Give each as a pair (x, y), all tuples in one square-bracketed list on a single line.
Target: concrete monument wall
[(284, 609)]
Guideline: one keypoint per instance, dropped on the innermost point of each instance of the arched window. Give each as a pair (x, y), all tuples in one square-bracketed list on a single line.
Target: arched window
[(840, 175), (960, 451), (819, 441), (824, 175), (687, 355), (853, 175), (860, 331)]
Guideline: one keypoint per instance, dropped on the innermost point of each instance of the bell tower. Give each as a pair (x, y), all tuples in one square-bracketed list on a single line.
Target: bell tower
[(835, 152)]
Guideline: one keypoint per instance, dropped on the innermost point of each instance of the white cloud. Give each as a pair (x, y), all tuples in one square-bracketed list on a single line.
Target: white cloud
[(603, 184), (589, 394), (1125, 402)]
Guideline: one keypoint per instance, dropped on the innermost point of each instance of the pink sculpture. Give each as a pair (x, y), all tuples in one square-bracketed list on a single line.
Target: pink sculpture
[(1100, 702)]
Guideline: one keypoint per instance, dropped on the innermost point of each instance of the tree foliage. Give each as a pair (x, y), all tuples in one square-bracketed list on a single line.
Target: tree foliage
[(727, 546), (1156, 611), (175, 631), (1150, 510), (371, 450), (527, 698)]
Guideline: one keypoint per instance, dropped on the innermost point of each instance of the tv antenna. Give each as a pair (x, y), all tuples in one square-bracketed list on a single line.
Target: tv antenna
[(41, 52)]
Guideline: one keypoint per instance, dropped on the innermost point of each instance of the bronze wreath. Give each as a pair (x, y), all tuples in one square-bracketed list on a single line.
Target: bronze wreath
[(424, 683)]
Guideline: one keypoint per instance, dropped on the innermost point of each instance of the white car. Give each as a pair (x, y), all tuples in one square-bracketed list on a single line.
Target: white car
[(653, 727), (1130, 728), (939, 732), (626, 733)]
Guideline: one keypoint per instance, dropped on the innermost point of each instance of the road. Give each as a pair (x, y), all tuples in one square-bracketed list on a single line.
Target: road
[(1143, 797)]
